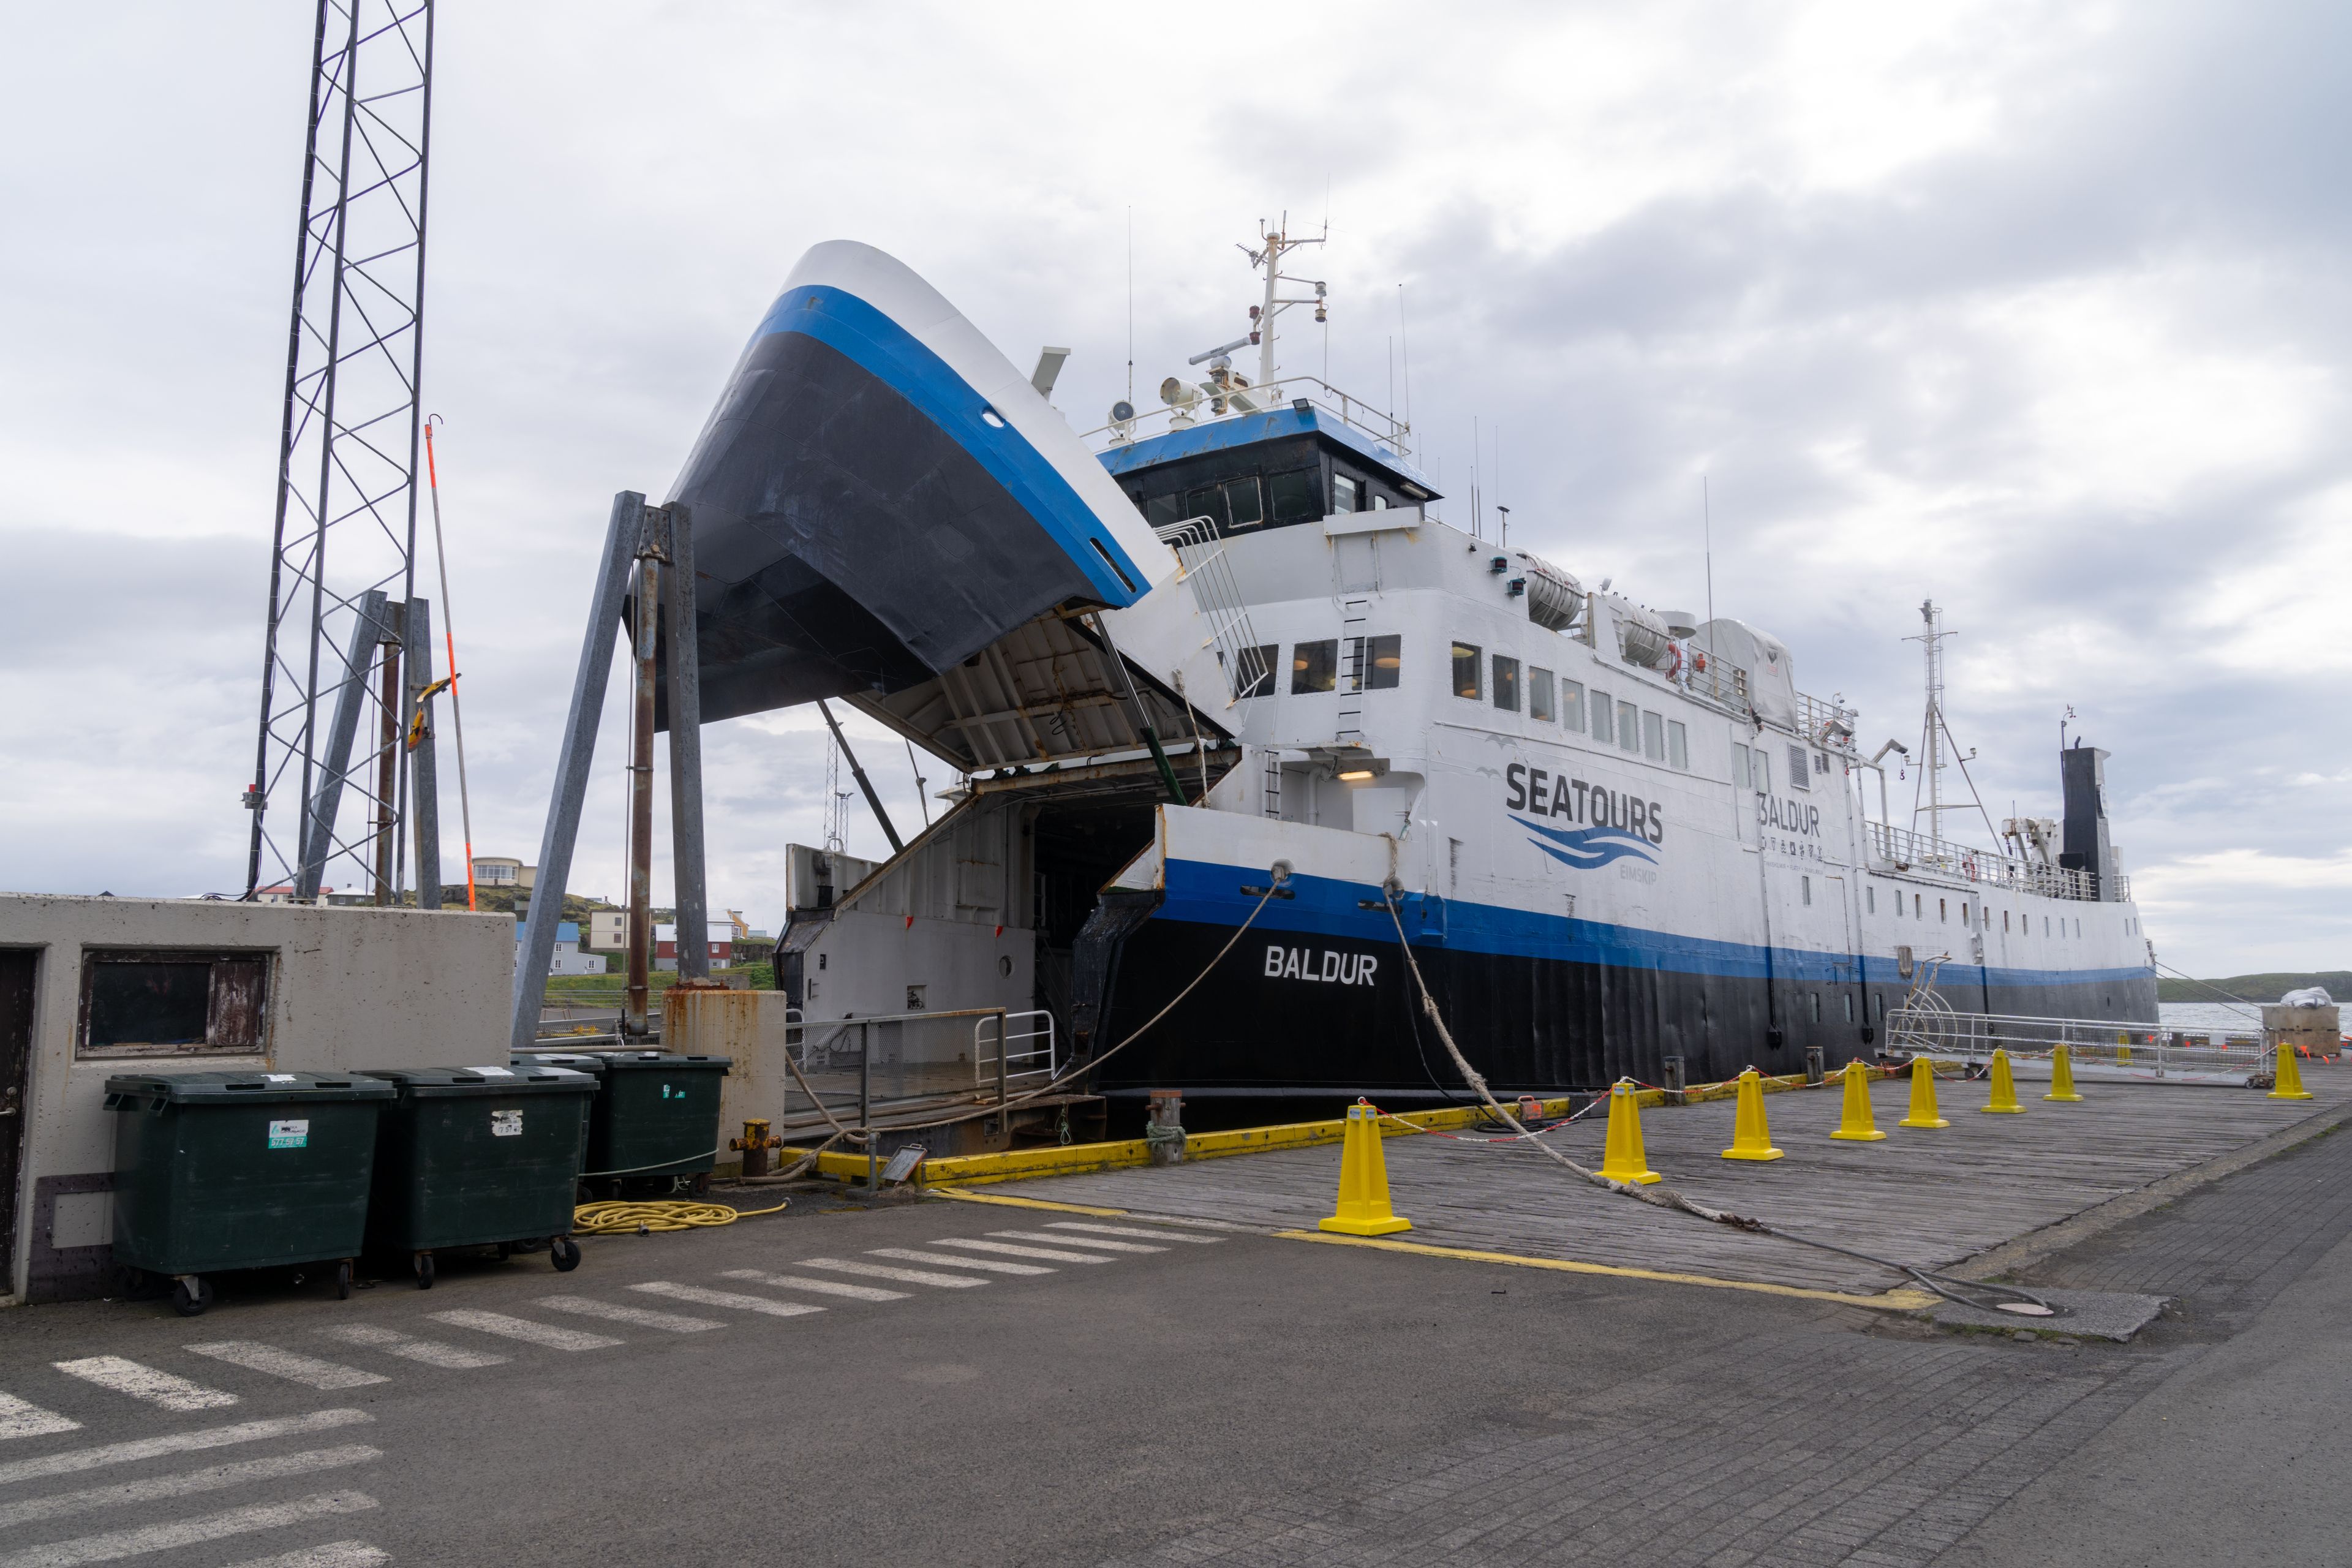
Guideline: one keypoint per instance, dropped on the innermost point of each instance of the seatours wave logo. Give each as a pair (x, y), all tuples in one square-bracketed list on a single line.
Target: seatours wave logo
[(1616, 826)]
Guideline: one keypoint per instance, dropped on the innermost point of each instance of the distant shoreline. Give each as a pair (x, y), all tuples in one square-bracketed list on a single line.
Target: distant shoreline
[(2253, 987)]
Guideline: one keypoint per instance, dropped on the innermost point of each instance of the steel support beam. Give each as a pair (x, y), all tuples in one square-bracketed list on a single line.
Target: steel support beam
[(425, 796), (687, 867)]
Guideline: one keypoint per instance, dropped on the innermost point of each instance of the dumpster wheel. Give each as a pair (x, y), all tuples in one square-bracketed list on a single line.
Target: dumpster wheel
[(191, 1294), (343, 1280), (564, 1253), (424, 1272)]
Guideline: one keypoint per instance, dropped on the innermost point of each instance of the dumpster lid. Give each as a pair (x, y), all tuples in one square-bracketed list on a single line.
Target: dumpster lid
[(663, 1061), (522, 1078), (578, 1061), (182, 1088)]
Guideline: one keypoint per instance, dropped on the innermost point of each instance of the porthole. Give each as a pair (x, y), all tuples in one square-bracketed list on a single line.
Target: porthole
[(991, 418)]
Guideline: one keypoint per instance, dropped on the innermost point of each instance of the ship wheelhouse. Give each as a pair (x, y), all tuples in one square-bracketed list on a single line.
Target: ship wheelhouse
[(1273, 468)]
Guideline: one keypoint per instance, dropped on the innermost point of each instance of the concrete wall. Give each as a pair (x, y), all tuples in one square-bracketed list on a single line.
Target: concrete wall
[(349, 988)]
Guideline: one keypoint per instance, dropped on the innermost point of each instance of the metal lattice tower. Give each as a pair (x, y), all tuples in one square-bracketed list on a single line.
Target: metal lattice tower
[(337, 695), (1932, 730)]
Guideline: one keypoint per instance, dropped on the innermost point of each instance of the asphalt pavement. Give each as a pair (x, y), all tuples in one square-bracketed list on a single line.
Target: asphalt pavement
[(954, 1382)]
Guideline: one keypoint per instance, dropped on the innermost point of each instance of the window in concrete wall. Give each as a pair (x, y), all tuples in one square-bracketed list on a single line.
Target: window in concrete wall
[(143, 1002)]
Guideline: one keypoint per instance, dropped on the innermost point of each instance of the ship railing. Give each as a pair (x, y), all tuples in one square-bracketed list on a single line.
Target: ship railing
[(1826, 722), (1217, 595), (1026, 1050), (1383, 428), (853, 1065), (1721, 682), (2095, 1047), (1988, 868)]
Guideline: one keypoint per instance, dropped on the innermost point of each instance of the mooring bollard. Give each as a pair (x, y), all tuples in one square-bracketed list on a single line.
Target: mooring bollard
[(1813, 1070), (1677, 1075), (1164, 1131)]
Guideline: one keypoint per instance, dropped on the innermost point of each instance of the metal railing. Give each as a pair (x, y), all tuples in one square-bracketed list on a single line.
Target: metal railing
[(1825, 723), (1201, 561), (1909, 851), (894, 1056), (1277, 393), (1722, 682), (2101, 1049), (1017, 1052)]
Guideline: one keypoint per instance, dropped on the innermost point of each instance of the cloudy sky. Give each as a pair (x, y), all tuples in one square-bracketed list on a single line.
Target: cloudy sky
[(2043, 310)]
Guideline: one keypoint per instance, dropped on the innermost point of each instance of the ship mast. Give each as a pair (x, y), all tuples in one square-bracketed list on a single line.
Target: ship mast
[(1931, 767), (1274, 245)]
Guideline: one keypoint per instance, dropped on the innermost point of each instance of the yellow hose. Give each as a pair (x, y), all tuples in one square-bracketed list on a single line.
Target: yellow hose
[(638, 1218)]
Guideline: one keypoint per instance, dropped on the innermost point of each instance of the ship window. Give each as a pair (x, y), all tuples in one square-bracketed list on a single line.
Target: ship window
[(1466, 660), (1629, 727), (1163, 511), (2045, 925), (1816, 1007), (1379, 503), (1383, 662), (1571, 705), (1540, 695), (1943, 910), (1805, 885), (1738, 765), (1878, 1006), (1798, 778), (1849, 1006), (1506, 683), (2004, 922), (1314, 667), (1915, 913), (1345, 495), (1293, 496), (1604, 718), (1678, 745), (1653, 736), (1255, 678), (1870, 900), (1208, 501), (1243, 505)]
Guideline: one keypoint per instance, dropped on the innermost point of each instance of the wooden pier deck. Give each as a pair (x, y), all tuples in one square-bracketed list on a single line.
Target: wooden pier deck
[(1926, 1197)]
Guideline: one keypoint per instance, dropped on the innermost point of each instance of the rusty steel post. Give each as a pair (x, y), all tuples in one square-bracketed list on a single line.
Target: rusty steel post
[(634, 1015)]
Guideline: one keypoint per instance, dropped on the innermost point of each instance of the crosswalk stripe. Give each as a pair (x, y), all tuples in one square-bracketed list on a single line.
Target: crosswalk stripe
[(523, 1329), (428, 1352), (140, 1382), (115, 1545), (23, 1418), (334, 1554), (1135, 1230), (1075, 1241), (187, 1483), (1045, 1253), (884, 1271), (287, 1365), (78, 1459), (986, 1265), (736, 1299), (816, 1287), (644, 1316)]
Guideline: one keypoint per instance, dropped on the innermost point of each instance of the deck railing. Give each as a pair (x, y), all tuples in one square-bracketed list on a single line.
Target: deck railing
[(1986, 869), (2105, 1048), (1286, 390)]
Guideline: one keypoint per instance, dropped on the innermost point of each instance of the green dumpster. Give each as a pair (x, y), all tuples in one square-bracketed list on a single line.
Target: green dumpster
[(483, 1156), (656, 1117), (217, 1171)]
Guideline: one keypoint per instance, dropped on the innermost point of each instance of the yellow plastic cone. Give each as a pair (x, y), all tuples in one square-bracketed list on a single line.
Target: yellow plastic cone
[(1363, 1180), (2004, 1089), (2062, 1075), (1857, 1125), (1923, 1110), (1622, 1159), (1751, 1139), (2289, 1074)]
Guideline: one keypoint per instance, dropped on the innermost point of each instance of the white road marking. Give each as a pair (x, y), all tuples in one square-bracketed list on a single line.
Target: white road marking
[(118, 1544), (883, 1271), (125, 1376), (523, 1329), (186, 1483), (817, 1287), (22, 1418), (334, 1554), (613, 1311), (1047, 1253), (431, 1352), (287, 1365), (1075, 1241), (76, 1460), (987, 1264), (1132, 1230), (736, 1299)]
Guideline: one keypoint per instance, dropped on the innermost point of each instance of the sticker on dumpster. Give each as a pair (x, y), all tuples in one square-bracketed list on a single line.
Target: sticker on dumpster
[(505, 1123), (494, 1072), (279, 1077), (289, 1136)]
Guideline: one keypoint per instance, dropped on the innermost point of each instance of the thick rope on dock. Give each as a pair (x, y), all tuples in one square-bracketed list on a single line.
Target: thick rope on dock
[(643, 1218)]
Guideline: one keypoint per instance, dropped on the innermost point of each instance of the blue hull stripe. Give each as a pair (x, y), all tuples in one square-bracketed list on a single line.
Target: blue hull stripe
[(1211, 894), (885, 349)]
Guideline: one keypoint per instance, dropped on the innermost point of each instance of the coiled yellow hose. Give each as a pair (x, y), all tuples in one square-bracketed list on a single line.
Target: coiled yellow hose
[(639, 1218)]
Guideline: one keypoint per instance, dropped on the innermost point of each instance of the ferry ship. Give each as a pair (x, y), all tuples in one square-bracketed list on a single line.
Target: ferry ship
[(1220, 665)]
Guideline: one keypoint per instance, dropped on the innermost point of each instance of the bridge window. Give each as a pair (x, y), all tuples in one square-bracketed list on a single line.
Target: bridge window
[(1314, 667), (1346, 496), (1540, 695), (1678, 745), (1467, 661), (1383, 662), (1571, 705), (1244, 507), (1507, 684), (1293, 496)]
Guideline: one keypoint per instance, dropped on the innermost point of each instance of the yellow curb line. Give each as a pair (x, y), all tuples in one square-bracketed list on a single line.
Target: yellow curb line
[(1897, 1300)]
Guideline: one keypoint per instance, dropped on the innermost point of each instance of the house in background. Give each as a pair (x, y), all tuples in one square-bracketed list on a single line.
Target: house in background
[(722, 938), (608, 930), (503, 871), (569, 959), (283, 893)]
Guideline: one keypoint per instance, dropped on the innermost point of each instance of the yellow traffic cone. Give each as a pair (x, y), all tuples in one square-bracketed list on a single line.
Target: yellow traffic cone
[(1923, 1110), (1622, 1159), (2061, 1075), (1751, 1139), (2288, 1073), (1363, 1180), (2004, 1089), (1857, 1125)]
